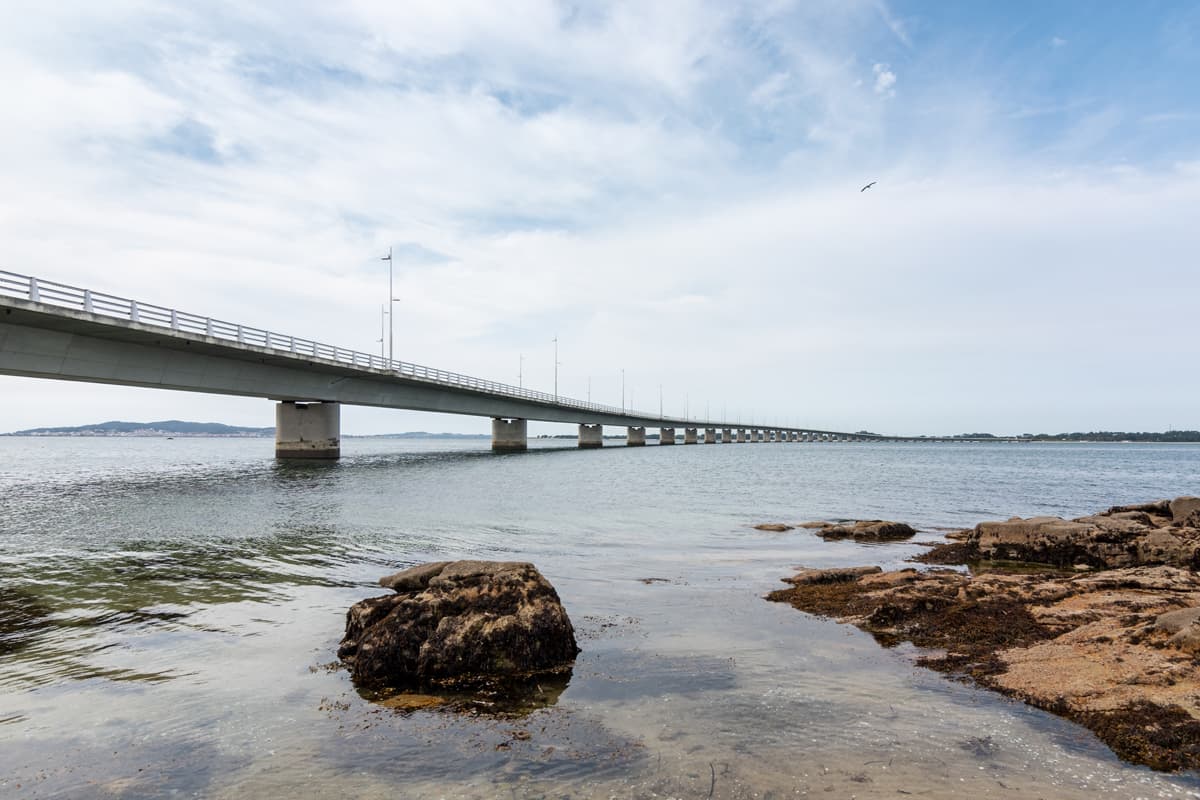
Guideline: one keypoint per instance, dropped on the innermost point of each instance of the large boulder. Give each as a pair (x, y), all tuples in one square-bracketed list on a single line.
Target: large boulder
[(460, 624)]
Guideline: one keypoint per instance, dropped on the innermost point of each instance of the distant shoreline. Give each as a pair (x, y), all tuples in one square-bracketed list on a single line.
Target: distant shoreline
[(215, 430)]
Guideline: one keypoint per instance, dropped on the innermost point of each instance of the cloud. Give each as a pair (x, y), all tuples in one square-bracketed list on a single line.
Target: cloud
[(672, 188), (885, 79), (896, 26), (1058, 41)]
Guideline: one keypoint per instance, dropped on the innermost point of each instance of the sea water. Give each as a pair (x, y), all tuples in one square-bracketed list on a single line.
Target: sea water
[(170, 612)]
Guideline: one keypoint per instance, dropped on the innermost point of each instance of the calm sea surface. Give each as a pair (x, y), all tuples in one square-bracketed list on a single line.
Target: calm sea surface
[(170, 612)]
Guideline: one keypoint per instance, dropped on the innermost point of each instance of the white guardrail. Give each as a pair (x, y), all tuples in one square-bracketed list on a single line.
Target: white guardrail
[(39, 290)]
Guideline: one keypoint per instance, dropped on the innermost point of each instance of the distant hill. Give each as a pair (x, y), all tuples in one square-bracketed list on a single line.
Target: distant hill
[(1096, 436), (169, 427), (1116, 436)]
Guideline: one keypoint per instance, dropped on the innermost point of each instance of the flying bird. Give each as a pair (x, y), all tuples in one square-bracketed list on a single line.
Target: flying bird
[(868, 186)]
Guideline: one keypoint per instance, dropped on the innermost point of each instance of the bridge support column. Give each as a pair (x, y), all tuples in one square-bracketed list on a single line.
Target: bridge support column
[(741, 435), (591, 435), (666, 436), (635, 436), (793, 436), (508, 435), (710, 435), (726, 435), (308, 430), (689, 436)]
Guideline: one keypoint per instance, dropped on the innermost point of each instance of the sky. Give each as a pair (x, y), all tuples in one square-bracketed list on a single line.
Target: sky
[(670, 189)]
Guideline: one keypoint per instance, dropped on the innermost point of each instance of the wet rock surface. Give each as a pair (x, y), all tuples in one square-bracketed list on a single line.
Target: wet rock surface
[(1115, 649), (1162, 532), (863, 530), (473, 625)]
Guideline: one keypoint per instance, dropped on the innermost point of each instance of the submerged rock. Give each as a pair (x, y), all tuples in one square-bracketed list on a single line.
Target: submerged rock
[(773, 527), (458, 624)]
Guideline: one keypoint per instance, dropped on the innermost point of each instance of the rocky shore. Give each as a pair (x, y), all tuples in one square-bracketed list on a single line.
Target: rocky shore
[(1096, 619)]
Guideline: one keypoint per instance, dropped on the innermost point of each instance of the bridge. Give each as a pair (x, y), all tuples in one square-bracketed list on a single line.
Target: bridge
[(52, 330)]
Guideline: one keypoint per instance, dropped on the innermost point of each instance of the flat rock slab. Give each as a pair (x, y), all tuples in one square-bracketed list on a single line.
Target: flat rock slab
[(458, 624), (833, 575)]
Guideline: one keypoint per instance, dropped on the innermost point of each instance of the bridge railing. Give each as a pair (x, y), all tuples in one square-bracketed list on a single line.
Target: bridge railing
[(39, 290)]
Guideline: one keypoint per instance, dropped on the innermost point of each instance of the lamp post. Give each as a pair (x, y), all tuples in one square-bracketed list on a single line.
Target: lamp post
[(622, 390), (521, 371), (391, 299)]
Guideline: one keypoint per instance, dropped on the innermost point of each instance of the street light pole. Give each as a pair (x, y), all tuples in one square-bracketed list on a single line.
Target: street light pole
[(391, 299), (521, 371), (622, 390)]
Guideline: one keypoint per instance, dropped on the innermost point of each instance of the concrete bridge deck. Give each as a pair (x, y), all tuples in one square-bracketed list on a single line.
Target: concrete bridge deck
[(51, 330)]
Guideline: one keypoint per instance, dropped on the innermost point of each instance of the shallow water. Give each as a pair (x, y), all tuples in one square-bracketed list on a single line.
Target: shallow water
[(170, 612)]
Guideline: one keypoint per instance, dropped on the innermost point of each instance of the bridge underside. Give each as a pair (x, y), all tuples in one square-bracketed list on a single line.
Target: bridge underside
[(62, 344)]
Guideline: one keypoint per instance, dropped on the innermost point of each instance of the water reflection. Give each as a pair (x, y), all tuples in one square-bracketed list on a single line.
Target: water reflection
[(501, 698), (59, 614)]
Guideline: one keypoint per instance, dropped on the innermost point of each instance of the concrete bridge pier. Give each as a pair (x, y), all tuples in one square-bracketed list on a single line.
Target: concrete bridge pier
[(308, 430), (508, 435), (753, 435), (666, 436), (635, 436), (726, 435), (793, 437), (690, 436), (591, 435), (741, 435), (710, 435)]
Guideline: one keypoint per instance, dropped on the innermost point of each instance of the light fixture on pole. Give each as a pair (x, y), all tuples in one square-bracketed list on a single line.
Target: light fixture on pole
[(391, 299), (622, 390), (521, 371)]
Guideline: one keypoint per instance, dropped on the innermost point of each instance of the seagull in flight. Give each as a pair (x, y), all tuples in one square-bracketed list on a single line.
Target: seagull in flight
[(868, 186)]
